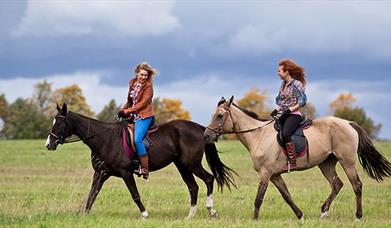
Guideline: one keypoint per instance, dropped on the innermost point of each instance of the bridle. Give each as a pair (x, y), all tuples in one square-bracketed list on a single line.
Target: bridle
[(62, 139), (219, 129)]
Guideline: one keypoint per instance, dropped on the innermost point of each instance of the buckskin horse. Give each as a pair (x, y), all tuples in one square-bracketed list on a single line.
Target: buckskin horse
[(330, 140), (178, 141)]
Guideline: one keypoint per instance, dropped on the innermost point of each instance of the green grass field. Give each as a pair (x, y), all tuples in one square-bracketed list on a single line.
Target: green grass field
[(43, 188)]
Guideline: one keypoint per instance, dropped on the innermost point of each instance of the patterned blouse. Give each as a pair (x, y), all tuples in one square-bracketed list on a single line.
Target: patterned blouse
[(293, 94), (133, 93)]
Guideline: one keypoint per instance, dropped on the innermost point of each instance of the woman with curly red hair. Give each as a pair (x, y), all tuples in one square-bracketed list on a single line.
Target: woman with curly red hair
[(290, 99)]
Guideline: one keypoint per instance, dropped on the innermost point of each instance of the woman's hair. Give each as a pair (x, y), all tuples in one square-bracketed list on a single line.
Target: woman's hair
[(145, 66), (295, 71)]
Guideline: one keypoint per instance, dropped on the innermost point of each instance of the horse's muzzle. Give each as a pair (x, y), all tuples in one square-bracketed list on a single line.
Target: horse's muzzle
[(210, 136)]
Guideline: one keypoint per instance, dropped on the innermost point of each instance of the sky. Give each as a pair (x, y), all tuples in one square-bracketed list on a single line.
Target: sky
[(203, 50)]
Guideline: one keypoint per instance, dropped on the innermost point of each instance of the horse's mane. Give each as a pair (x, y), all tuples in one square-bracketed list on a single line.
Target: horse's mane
[(251, 114), (106, 123)]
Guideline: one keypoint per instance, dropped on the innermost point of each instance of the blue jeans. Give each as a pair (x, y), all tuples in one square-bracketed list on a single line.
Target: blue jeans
[(140, 130)]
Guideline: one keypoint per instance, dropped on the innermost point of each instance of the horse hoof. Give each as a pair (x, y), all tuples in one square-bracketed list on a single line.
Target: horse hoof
[(357, 220), (324, 215), (213, 213), (144, 215), (192, 212), (301, 220)]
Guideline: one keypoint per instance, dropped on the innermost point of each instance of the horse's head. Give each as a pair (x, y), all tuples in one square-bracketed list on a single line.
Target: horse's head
[(60, 129), (221, 121)]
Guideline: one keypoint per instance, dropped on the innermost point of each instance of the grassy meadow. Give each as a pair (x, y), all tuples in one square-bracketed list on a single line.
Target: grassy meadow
[(40, 188)]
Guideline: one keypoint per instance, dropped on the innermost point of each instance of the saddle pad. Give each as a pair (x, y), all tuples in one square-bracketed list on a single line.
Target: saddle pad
[(125, 143)]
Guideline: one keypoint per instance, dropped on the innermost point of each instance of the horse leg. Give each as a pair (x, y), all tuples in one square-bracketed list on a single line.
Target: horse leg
[(328, 170), (188, 178), (281, 186), (99, 178), (262, 187), (208, 180), (351, 173), (131, 184)]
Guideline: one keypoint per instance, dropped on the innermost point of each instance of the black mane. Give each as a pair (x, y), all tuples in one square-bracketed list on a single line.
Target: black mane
[(251, 114)]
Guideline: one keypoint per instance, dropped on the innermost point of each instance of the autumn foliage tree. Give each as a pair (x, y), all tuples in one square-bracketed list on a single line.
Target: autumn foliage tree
[(254, 100), (168, 109), (74, 98), (342, 107), (344, 100)]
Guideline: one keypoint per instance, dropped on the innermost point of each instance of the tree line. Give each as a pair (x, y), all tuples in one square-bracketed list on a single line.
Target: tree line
[(31, 118)]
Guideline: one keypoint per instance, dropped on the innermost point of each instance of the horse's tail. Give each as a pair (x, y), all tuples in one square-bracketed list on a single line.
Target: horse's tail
[(374, 163), (223, 174)]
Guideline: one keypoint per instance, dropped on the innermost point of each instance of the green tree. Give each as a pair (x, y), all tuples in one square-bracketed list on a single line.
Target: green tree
[(309, 110), (359, 116), (74, 98), (43, 97), (108, 112), (342, 107), (26, 121), (169, 109), (4, 113)]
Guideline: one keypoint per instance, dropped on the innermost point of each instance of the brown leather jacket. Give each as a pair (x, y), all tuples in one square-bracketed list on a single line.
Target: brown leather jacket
[(143, 107)]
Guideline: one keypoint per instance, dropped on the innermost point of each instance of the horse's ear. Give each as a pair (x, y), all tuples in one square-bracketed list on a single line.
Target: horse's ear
[(231, 100), (64, 109), (58, 108), (222, 101)]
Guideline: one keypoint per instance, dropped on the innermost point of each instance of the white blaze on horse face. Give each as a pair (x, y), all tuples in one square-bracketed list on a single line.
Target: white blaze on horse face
[(48, 139)]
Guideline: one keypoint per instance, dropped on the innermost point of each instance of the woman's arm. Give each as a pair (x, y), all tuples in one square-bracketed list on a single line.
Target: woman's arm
[(143, 102)]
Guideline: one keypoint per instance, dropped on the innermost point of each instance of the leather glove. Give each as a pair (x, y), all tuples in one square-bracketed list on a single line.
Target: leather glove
[(121, 113), (274, 113), (283, 114), (127, 111)]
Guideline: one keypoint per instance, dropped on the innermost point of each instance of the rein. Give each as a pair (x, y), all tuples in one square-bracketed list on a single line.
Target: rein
[(219, 128)]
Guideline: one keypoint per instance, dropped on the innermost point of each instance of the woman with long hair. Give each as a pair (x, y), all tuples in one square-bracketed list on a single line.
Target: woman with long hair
[(290, 99), (138, 108)]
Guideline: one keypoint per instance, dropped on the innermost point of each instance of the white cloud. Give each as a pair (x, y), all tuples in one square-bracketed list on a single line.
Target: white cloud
[(268, 27), (201, 93), (134, 18)]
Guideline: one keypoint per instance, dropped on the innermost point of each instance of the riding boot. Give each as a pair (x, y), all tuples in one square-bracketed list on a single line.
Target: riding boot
[(290, 148), (144, 166)]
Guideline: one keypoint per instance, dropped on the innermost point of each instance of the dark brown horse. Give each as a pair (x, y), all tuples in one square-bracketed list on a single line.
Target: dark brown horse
[(178, 141)]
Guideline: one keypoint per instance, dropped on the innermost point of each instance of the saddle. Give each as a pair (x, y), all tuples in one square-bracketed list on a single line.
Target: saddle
[(301, 143), (128, 139)]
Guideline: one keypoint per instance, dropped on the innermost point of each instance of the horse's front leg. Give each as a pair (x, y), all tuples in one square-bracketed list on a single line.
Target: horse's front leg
[(100, 177), (262, 187), (131, 184)]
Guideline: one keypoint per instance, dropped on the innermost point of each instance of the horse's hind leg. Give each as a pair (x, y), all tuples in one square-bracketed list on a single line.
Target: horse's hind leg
[(281, 186), (208, 180), (100, 177), (328, 170), (188, 178), (351, 171)]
